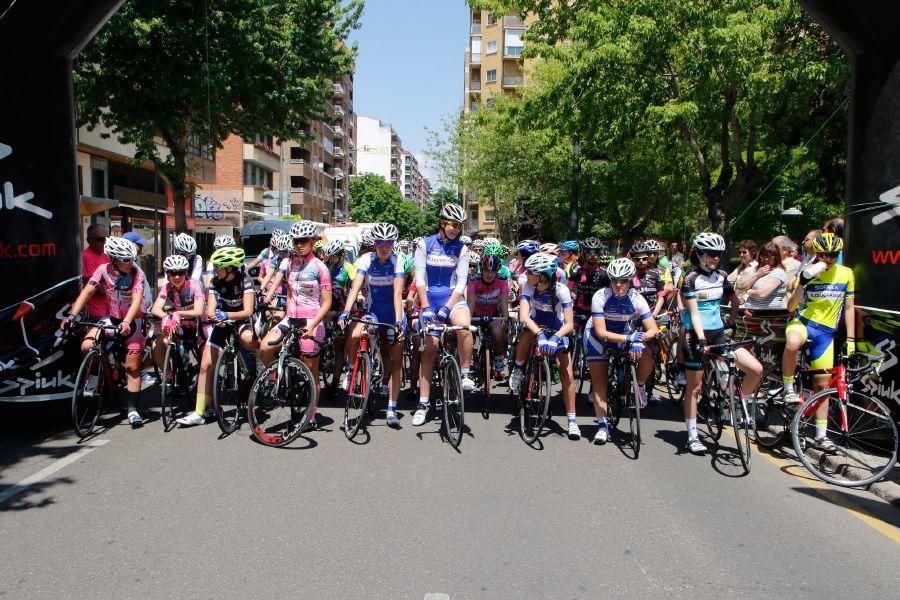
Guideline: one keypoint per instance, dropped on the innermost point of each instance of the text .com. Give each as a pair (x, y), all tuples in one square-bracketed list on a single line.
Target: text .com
[(8, 250)]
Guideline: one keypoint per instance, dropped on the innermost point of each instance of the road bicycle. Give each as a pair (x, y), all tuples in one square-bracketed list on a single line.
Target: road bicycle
[(179, 377), (447, 378), (284, 396), (667, 366), (367, 368), (580, 370), (624, 394), (534, 394), (100, 376), (483, 360), (233, 376), (329, 354)]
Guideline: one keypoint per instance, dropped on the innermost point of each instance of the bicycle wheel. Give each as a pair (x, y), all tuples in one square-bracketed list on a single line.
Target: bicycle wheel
[(230, 388), (89, 393), (485, 365), (739, 422), (168, 387), (771, 418), (670, 370), (709, 410), (278, 411), (534, 399), (862, 430), (634, 411), (357, 395), (454, 403), (613, 399), (580, 369), (327, 362)]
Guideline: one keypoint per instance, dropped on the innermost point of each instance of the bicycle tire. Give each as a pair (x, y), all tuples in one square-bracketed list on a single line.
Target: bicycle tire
[(771, 418), (634, 412), (277, 419), (485, 363), (613, 397), (739, 423), (230, 387), (87, 402), (327, 362), (709, 412), (858, 462), (358, 393), (167, 388), (534, 399), (670, 368), (453, 403)]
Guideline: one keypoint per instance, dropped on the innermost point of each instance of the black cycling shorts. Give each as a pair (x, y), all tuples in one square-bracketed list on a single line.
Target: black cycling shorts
[(692, 356)]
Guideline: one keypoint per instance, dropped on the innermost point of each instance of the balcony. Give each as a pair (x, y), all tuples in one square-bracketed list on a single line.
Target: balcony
[(338, 152), (338, 131), (513, 81), (512, 52), (338, 111), (475, 85), (253, 194), (338, 193), (299, 190), (476, 27), (475, 58), (513, 21), (299, 161), (261, 156), (338, 90), (338, 174)]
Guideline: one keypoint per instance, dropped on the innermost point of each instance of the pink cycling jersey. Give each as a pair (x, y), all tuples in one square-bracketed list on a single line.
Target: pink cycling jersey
[(183, 300), (306, 280), (486, 296), (119, 287)]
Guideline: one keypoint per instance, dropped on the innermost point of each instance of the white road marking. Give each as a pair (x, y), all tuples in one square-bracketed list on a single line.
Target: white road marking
[(46, 472), (437, 596)]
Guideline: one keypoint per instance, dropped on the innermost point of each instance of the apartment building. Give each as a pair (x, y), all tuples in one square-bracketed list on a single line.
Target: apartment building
[(493, 66), (412, 183), (379, 150)]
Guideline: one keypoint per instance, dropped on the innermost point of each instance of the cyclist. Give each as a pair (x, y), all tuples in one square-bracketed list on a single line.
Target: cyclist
[(488, 296), (382, 273), (221, 241), (826, 290), (546, 303), (178, 305), (613, 309), (588, 276), (648, 280), (568, 256), (704, 290), (268, 252), (319, 249), (466, 240), (476, 251), (282, 243), (186, 246), (442, 267), (339, 271), (122, 281), (230, 297), (657, 252), (308, 298)]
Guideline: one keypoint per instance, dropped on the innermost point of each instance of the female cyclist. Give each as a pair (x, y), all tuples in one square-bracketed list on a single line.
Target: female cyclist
[(178, 306), (221, 241), (488, 295), (186, 246)]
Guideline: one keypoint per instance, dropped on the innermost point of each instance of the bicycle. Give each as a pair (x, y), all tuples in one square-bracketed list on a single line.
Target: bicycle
[(181, 366), (580, 370), (234, 373), (329, 355), (367, 367), (624, 394), (667, 366), (448, 378), (482, 359), (284, 395), (534, 394), (99, 376)]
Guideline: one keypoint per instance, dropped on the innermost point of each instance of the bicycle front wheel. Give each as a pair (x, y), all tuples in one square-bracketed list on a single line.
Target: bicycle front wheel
[(709, 412), (862, 431), (534, 402), (454, 403), (279, 408), (327, 362), (357, 395), (168, 387), (634, 413), (739, 422), (486, 381), (89, 393), (232, 384)]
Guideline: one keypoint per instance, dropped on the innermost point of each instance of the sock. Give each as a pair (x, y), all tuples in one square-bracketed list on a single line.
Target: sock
[(570, 417), (200, 408), (464, 372), (821, 427), (131, 400), (392, 405), (691, 428), (602, 422), (788, 381), (423, 400), (314, 413), (520, 365)]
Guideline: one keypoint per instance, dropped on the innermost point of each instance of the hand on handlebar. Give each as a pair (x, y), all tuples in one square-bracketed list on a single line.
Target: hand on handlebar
[(443, 314)]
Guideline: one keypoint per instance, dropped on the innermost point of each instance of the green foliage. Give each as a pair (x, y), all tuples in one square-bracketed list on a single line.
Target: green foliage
[(167, 70), (372, 199)]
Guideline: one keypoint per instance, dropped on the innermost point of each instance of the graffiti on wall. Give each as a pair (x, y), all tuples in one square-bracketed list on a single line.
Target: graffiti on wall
[(218, 206)]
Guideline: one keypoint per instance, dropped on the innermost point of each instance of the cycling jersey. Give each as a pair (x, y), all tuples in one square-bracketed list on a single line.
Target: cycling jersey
[(229, 295), (541, 304), (195, 269), (442, 268), (306, 279), (486, 296), (824, 296), (184, 299), (586, 285), (617, 314), (119, 287), (649, 284), (708, 290), (379, 283)]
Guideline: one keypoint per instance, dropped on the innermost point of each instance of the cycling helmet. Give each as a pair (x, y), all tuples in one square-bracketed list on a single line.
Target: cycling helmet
[(334, 248), (491, 262), (319, 245), (654, 246), (119, 248), (479, 244), (827, 242), (541, 264), (712, 242), (527, 247), (304, 229), (621, 268), (384, 232), (569, 246), (367, 241), (403, 244), (184, 244), (222, 241), (494, 250), (453, 212), (465, 240), (549, 248), (491, 240), (176, 262), (228, 257), (592, 243), (281, 241), (639, 248), (605, 256), (415, 243), (276, 234)]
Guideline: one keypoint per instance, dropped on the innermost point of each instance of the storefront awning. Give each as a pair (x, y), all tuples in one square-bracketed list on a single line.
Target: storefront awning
[(91, 206), (161, 211)]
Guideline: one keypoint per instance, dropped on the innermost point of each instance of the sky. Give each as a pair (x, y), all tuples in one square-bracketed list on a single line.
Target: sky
[(409, 70)]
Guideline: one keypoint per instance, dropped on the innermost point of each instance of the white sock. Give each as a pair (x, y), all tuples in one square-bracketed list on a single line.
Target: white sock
[(464, 372), (392, 405), (571, 417), (691, 428), (423, 400)]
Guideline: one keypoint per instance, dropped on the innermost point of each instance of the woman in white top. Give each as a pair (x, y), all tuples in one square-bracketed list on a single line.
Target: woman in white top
[(769, 282), (742, 277)]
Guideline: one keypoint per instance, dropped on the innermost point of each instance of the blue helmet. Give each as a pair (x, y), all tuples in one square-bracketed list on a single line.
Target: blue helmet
[(569, 246), (528, 246)]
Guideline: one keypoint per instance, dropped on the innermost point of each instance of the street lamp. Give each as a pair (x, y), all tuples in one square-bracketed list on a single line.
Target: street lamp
[(790, 212), (597, 158)]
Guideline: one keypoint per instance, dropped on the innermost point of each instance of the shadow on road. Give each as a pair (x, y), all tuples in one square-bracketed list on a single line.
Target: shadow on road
[(856, 503)]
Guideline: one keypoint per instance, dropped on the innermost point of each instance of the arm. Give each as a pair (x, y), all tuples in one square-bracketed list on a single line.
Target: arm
[(212, 303), (568, 322), (796, 298), (651, 330), (850, 321), (247, 312), (136, 296), (504, 301), (525, 317), (462, 277), (398, 300), (660, 299), (602, 334), (767, 289), (86, 292), (354, 291), (157, 309), (419, 262), (279, 277)]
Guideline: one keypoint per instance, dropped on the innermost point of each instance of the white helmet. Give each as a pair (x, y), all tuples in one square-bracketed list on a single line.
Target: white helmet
[(304, 229), (403, 244), (184, 244), (541, 264), (479, 244), (281, 240), (223, 241), (415, 243), (465, 240), (491, 240), (653, 246), (385, 232), (453, 212), (175, 262), (549, 248), (119, 248), (621, 268), (334, 248), (709, 241)]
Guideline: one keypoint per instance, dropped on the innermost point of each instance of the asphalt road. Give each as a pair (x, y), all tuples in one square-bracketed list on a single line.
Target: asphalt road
[(185, 514)]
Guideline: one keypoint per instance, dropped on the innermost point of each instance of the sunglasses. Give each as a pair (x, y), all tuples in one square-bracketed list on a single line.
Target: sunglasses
[(620, 281), (712, 253), (384, 244), (828, 255), (641, 258), (455, 224), (305, 240), (176, 273), (97, 239), (127, 261)]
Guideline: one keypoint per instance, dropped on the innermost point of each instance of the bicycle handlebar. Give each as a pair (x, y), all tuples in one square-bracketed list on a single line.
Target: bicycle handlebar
[(374, 323)]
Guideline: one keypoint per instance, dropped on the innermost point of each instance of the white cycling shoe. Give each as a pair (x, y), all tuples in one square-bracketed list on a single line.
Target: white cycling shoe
[(420, 415), (467, 384), (191, 420)]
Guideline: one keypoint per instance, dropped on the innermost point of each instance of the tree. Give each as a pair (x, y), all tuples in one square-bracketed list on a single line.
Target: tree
[(372, 199), (186, 73)]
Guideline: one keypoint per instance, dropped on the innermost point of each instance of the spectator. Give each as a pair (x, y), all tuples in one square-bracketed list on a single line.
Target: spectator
[(808, 254), (836, 226), (91, 258), (791, 265), (742, 277), (136, 239), (675, 257), (768, 289)]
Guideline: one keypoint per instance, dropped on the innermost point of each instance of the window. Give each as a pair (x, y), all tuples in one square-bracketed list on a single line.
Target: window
[(491, 76), (98, 183), (255, 176), (512, 42), (492, 47), (473, 213), (491, 19), (476, 49), (295, 152), (489, 216)]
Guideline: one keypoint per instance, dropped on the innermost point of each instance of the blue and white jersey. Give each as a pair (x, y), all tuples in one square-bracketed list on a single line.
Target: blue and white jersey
[(541, 304), (618, 312), (441, 269), (709, 291), (379, 283)]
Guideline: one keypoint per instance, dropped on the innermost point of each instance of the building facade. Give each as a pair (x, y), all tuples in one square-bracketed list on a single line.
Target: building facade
[(414, 186), (379, 150)]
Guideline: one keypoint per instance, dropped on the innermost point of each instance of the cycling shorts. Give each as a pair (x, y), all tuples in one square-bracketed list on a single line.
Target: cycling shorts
[(309, 347), (819, 340), (217, 338), (597, 351), (136, 341), (692, 356), (462, 304)]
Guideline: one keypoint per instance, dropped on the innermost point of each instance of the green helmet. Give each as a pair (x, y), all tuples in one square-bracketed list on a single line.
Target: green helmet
[(494, 250), (228, 257)]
